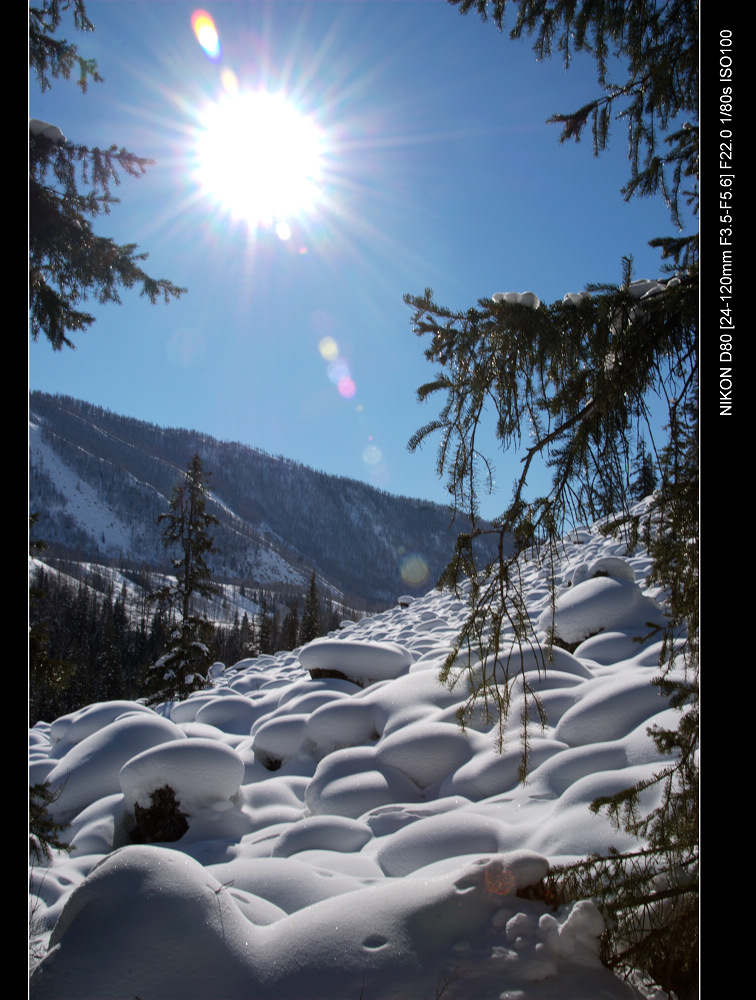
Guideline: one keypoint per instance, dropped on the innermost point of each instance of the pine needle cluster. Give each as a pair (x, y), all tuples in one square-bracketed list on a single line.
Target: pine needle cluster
[(70, 186), (569, 386)]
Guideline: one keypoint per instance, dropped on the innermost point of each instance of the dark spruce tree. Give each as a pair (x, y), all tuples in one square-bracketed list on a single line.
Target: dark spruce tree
[(644, 473), (44, 831), (569, 385), (70, 185), (311, 626), (183, 666), (247, 640), (49, 676), (266, 628), (289, 637)]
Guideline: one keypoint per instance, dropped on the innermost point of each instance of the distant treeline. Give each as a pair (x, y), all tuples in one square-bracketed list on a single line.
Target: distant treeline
[(102, 640)]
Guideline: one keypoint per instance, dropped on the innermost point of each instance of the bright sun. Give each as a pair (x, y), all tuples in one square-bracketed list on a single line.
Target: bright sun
[(260, 158)]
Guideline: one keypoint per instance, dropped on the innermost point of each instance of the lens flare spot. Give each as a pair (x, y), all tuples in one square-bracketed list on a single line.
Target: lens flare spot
[(329, 349), (206, 33), (372, 455), (229, 81), (283, 230), (346, 387), (338, 370), (414, 570)]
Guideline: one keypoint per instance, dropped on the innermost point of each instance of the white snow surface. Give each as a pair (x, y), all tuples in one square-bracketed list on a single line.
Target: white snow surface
[(346, 839)]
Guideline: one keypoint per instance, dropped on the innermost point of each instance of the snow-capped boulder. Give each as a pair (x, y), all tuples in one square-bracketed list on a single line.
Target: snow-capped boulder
[(278, 739), (609, 647), (89, 771), (233, 714), (215, 670), (333, 833), (434, 838), (351, 782), (613, 566), (360, 661), (609, 712), (340, 724), (68, 730), (604, 603), (427, 752), (203, 773)]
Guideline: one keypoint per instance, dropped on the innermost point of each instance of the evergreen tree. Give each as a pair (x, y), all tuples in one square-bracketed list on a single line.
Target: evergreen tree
[(182, 668), (43, 830), (654, 44), (289, 638), (49, 676), (69, 186), (311, 625), (573, 380), (110, 659), (247, 637), (644, 476), (266, 630)]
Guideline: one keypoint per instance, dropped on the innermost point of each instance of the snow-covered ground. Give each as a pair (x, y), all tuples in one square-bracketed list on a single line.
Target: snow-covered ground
[(345, 839)]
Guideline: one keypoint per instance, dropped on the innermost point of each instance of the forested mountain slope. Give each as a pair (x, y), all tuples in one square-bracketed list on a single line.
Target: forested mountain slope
[(99, 481)]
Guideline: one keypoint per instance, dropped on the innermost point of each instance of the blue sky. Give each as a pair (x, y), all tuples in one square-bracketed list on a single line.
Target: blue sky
[(437, 170)]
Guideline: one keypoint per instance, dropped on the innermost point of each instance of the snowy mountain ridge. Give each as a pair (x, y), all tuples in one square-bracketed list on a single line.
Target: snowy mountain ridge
[(99, 482)]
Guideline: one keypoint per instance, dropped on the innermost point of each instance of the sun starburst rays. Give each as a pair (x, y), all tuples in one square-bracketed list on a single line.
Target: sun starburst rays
[(259, 157)]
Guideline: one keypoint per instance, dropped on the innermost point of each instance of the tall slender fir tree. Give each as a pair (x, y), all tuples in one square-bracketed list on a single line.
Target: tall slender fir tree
[(183, 667), (311, 626)]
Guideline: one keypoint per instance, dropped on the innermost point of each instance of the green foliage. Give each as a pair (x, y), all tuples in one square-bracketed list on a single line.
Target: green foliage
[(43, 830), (311, 627), (55, 57), (289, 638), (162, 821), (49, 676), (183, 667), (649, 896), (653, 47), (569, 386), (70, 185), (644, 475)]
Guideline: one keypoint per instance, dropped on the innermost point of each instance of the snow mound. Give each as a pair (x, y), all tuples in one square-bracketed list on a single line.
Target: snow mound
[(428, 751), (231, 713), (363, 662), (346, 837), (351, 782), (71, 729), (394, 933), (597, 605), (334, 833), (339, 725), (527, 299), (89, 771), (277, 740), (203, 773), (435, 838)]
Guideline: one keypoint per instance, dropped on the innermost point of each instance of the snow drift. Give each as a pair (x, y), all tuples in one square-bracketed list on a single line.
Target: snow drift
[(344, 838)]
